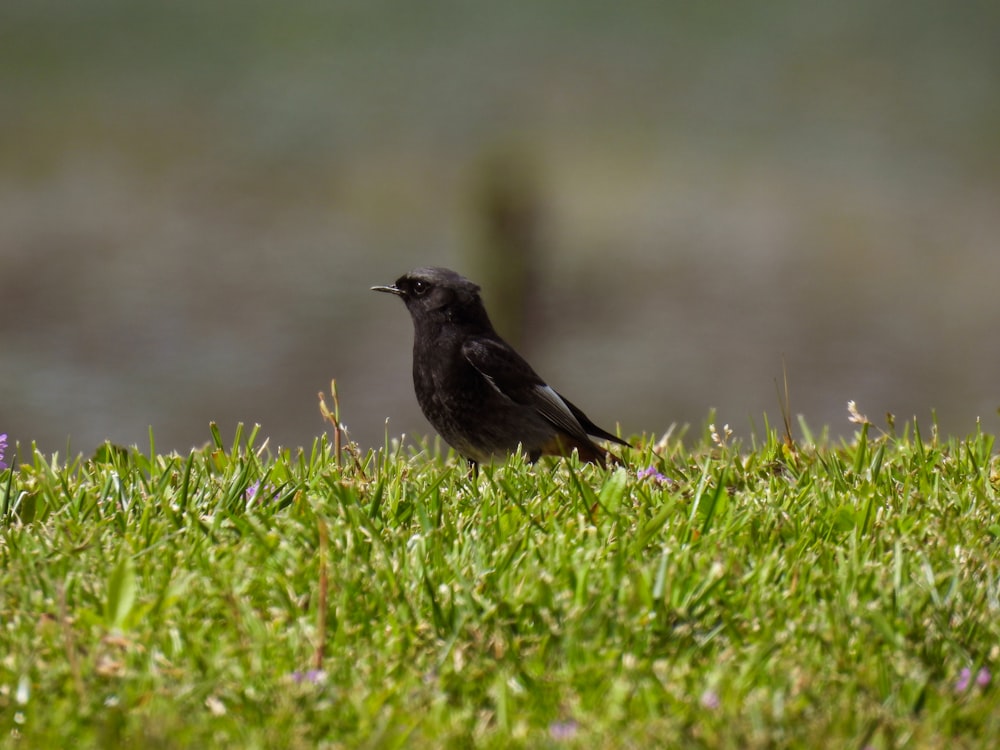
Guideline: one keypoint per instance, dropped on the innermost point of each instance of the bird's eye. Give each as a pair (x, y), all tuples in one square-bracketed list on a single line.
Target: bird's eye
[(420, 288)]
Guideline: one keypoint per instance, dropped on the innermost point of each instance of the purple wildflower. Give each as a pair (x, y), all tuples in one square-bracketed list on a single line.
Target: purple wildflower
[(563, 730), (651, 473), (314, 676), (267, 492), (965, 679), (710, 700), (3, 450)]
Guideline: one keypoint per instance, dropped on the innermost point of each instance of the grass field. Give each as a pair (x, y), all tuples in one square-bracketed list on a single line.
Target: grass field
[(706, 593)]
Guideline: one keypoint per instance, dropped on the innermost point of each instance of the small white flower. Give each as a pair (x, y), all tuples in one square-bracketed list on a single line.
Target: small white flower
[(215, 706), (23, 691)]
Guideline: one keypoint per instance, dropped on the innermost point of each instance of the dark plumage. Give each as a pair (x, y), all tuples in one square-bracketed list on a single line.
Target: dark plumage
[(478, 393)]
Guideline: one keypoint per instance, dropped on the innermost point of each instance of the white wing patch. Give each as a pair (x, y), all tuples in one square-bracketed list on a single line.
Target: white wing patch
[(551, 397), (558, 413)]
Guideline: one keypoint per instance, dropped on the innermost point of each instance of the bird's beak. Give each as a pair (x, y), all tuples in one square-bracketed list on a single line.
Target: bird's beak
[(390, 289)]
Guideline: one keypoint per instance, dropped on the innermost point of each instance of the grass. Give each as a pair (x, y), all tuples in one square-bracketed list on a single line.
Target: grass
[(724, 595)]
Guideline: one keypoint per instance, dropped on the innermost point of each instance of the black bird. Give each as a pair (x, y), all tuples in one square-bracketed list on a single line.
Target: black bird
[(481, 396)]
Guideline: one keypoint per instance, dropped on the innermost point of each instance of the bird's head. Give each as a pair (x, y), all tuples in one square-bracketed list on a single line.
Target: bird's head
[(439, 294)]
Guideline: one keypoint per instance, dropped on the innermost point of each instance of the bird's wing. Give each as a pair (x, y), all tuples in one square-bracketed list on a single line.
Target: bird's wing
[(588, 426), (512, 377)]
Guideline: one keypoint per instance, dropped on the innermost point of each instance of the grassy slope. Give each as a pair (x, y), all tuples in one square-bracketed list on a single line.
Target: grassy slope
[(748, 596)]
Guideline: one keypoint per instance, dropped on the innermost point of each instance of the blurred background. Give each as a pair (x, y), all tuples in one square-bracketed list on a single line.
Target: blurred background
[(661, 201)]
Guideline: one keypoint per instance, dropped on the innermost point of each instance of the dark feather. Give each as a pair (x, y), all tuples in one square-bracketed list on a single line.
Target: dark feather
[(509, 373)]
